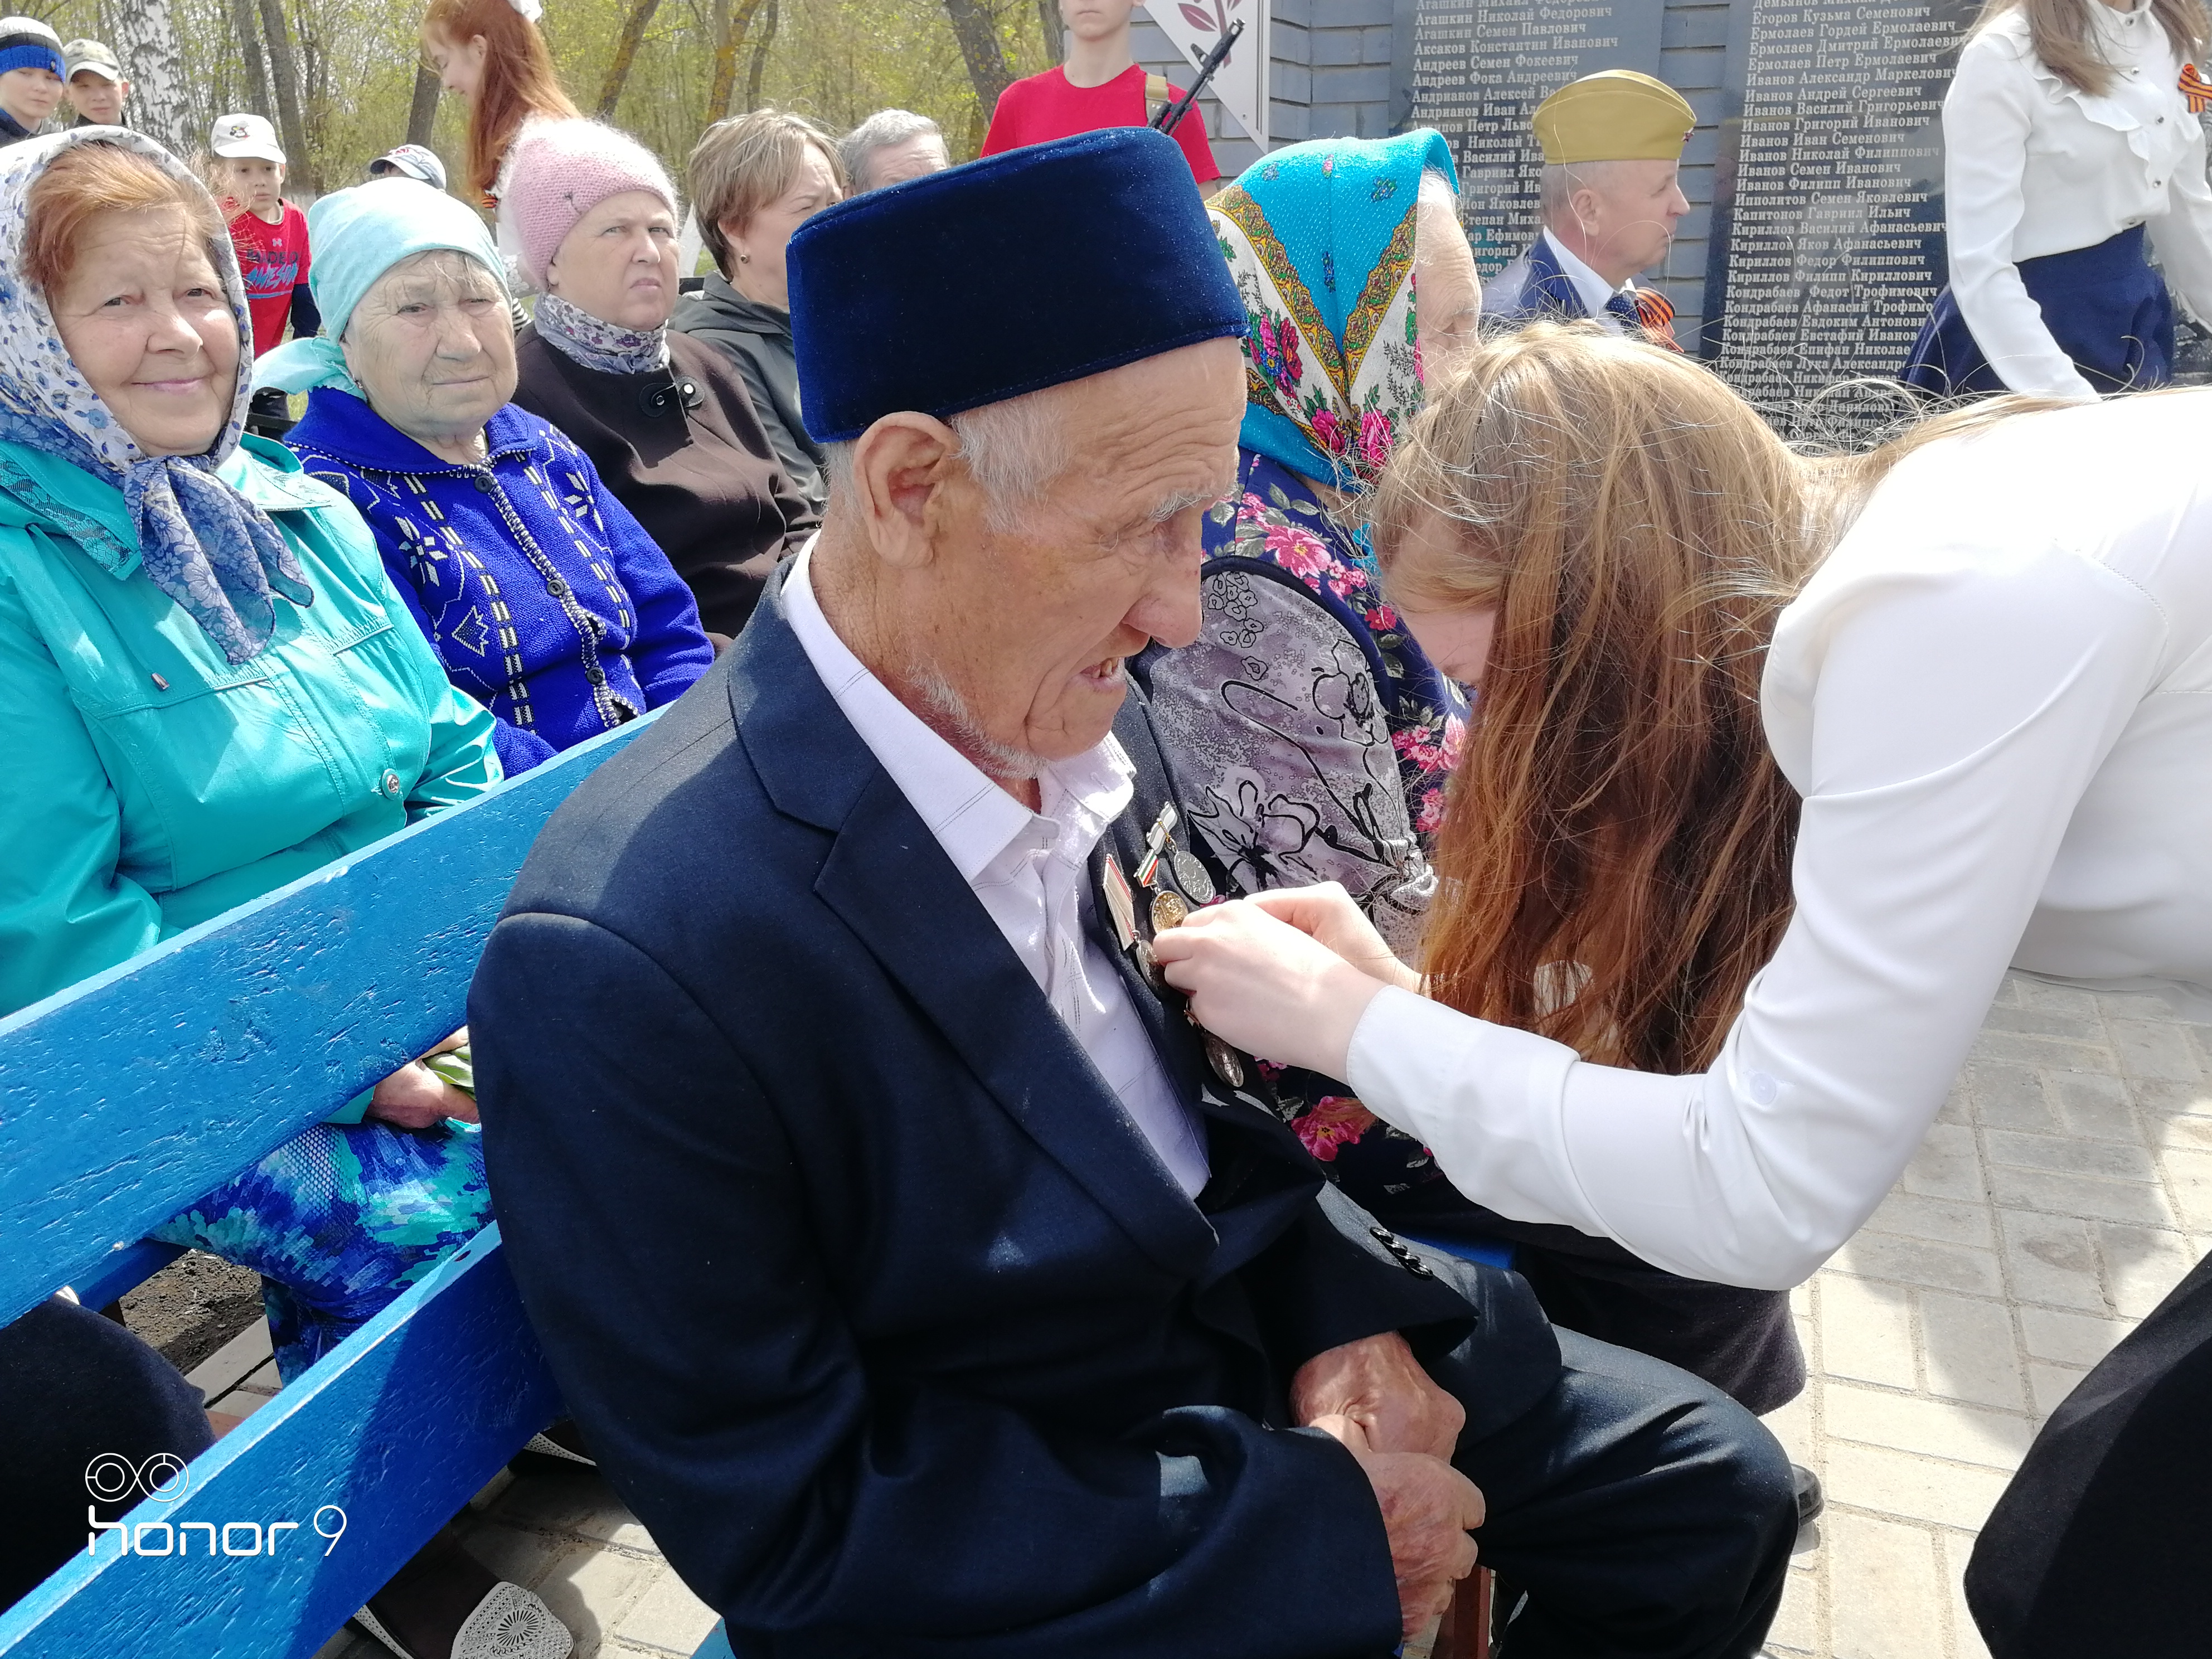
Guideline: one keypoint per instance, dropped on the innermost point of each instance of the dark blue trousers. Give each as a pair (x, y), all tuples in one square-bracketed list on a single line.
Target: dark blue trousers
[(2105, 306)]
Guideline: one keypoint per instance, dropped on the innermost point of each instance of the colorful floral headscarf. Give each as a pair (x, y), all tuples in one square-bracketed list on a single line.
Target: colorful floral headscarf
[(200, 541), (1320, 239)]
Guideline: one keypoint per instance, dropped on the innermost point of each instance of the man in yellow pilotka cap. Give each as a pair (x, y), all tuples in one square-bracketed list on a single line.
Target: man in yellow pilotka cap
[(1610, 200)]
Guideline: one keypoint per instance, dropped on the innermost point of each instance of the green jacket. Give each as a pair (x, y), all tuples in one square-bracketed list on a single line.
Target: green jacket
[(148, 783)]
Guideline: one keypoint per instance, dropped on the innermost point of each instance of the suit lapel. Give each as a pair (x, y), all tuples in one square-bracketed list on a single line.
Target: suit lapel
[(1550, 289), (891, 883)]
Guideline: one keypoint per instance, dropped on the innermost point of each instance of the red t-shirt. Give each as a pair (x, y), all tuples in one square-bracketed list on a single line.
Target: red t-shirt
[(274, 260), (1042, 107)]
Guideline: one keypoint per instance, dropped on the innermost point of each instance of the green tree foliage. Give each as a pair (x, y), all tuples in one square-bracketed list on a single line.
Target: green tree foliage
[(354, 65)]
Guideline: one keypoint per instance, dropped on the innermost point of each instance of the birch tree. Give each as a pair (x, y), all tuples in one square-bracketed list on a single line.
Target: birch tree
[(145, 40)]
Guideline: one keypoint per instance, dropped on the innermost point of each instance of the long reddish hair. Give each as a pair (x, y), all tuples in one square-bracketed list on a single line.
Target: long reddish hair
[(519, 79)]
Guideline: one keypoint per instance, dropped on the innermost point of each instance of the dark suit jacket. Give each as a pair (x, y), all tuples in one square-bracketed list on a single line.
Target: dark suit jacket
[(876, 1305)]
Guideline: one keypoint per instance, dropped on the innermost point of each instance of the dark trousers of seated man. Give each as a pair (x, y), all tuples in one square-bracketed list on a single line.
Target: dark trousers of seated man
[(1639, 1508)]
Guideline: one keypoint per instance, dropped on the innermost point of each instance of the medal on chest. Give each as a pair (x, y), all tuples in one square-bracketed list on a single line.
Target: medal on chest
[(1171, 882)]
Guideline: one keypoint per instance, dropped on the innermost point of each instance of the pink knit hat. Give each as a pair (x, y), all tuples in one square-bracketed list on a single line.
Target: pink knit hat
[(563, 169)]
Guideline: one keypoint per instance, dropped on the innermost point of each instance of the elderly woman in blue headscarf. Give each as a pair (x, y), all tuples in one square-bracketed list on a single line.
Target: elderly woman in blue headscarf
[(1310, 737), (543, 597)]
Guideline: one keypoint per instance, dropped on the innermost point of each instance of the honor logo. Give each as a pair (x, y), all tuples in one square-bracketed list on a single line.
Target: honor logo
[(163, 1479)]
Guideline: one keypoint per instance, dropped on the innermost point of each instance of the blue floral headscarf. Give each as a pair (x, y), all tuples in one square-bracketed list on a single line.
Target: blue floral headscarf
[(1320, 239), (200, 541)]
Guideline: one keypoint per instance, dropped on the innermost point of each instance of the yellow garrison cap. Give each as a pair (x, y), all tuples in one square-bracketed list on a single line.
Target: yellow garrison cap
[(1615, 115)]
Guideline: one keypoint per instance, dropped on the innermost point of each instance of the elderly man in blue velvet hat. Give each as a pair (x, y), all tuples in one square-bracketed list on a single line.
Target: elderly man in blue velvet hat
[(922, 1278)]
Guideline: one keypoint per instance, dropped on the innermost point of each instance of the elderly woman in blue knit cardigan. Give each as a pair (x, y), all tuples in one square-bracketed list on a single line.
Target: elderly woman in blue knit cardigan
[(541, 594)]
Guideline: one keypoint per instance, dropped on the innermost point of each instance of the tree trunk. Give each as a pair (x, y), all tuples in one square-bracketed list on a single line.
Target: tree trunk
[(1056, 31), (977, 31), (287, 76), (144, 38), (249, 48), (633, 32), (422, 113), (760, 59), (730, 39)]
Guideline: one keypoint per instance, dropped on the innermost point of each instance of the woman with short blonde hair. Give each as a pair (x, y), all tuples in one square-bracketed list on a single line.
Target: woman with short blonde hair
[(1982, 659), (755, 179)]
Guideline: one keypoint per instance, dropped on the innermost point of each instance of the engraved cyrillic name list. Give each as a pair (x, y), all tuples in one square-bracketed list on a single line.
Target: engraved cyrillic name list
[(1835, 246), (1480, 67)]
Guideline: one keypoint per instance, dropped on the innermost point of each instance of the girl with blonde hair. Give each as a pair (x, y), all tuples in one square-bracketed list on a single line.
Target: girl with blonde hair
[(1687, 997)]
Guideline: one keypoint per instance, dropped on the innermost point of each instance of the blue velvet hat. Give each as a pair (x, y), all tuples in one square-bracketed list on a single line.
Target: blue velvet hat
[(1022, 271)]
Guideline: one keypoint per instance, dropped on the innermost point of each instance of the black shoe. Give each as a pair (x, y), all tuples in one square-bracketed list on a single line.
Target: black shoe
[(1811, 1500)]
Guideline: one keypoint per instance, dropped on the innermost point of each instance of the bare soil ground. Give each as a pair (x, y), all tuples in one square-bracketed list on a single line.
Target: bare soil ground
[(192, 1306)]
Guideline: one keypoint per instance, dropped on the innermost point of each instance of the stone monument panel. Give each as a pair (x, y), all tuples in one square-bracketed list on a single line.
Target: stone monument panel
[(1827, 238), (1480, 67)]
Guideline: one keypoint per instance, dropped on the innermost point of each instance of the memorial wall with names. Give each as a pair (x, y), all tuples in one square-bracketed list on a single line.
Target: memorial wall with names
[(1480, 67), (1826, 247)]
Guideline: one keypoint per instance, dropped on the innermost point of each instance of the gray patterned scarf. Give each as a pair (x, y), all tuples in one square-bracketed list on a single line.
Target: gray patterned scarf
[(607, 346), (215, 553)]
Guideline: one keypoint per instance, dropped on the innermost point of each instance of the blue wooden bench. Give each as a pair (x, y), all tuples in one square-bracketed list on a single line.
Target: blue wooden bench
[(127, 1097)]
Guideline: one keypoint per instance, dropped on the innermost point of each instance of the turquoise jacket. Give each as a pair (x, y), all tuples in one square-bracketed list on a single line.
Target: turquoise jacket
[(148, 783)]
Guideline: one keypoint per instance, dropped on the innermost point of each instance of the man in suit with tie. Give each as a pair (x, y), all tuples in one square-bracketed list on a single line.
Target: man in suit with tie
[(1610, 200), (921, 1277)]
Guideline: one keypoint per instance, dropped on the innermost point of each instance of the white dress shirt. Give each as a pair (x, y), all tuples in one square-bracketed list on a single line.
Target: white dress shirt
[(1029, 870), (2032, 165), (1995, 698), (1593, 288)]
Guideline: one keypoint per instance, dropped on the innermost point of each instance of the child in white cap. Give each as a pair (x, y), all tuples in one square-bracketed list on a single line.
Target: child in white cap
[(270, 235)]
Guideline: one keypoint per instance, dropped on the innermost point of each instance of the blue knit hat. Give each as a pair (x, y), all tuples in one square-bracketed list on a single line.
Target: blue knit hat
[(1022, 271), (26, 43)]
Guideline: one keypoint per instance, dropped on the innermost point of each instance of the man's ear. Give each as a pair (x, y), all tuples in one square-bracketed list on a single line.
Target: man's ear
[(902, 466)]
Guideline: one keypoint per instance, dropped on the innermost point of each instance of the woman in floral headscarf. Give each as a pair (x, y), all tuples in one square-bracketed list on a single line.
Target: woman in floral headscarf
[(1310, 737)]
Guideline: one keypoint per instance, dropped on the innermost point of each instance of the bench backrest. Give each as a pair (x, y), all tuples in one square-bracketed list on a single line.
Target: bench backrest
[(127, 1097)]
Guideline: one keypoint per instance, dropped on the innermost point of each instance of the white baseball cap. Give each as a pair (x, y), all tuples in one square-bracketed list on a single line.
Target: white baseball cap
[(237, 136), (412, 161)]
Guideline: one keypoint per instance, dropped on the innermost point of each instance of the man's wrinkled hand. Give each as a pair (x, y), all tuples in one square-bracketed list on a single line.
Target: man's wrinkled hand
[(1427, 1508), (1378, 1384)]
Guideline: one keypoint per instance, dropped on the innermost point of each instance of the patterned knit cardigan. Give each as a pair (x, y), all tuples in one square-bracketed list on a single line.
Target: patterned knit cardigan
[(543, 596)]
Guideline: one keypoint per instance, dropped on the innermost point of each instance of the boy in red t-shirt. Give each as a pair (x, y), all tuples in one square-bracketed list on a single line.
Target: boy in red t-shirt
[(1101, 85), (271, 236)]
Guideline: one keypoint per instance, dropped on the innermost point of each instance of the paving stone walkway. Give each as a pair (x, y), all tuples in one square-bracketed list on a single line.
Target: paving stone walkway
[(2066, 1188)]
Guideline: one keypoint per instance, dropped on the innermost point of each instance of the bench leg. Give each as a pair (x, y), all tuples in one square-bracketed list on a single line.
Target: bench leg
[(1466, 1632)]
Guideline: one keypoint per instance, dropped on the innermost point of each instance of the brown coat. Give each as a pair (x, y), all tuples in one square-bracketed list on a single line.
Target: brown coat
[(703, 480)]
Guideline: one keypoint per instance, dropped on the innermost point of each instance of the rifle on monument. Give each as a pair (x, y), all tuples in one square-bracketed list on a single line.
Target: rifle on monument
[(1168, 118)]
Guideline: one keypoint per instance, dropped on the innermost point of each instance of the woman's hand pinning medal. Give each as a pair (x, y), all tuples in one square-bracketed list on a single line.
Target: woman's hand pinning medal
[(1285, 974)]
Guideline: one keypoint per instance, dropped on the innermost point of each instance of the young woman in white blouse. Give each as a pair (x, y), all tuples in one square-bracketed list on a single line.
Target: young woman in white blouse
[(1994, 696), (2070, 134)]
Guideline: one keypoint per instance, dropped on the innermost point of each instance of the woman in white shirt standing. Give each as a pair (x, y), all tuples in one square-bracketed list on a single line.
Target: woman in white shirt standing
[(1994, 696), (2069, 132)]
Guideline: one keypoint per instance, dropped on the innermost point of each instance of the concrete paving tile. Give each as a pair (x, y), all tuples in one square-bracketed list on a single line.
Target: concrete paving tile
[(1968, 1347), (1958, 1547), (2154, 1049), (2067, 1155), (1921, 1262), (2141, 1264), (1866, 1332), (590, 1588), (2050, 1384), (1943, 1219), (1792, 1425), (2162, 1099), (1887, 1589), (2050, 1258), (2082, 1195), (2190, 1176), (2094, 1105), (1800, 1299), (1947, 1165), (1926, 1428), (2084, 1024), (1796, 1627), (557, 1500), (667, 1618), (2052, 998), (611, 1523), (1900, 1485), (1958, 1107), (2070, 1339), (2022, 1048), (2187, 1134)]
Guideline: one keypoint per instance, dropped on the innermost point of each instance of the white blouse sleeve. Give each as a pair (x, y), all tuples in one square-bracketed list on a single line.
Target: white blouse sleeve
[(1986, 117), (2183, 234), (1955, 716)]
